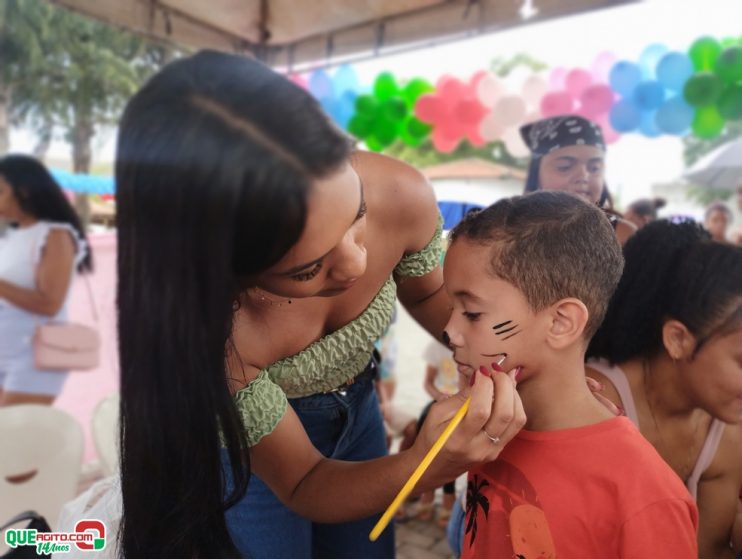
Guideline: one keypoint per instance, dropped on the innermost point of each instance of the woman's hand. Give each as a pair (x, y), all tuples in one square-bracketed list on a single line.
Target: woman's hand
[(596, 388), (495, 415)]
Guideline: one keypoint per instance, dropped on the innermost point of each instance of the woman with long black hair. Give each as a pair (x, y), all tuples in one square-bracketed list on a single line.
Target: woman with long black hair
[(40, 254), (260, 256)]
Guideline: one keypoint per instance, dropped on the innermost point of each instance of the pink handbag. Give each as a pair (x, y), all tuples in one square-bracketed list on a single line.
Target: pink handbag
[(65, 346)]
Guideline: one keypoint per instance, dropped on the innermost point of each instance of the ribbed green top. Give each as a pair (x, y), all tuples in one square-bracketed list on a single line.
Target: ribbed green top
[(331, 360)]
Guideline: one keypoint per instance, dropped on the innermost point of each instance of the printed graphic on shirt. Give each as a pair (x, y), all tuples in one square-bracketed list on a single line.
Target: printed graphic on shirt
[(504, 517)]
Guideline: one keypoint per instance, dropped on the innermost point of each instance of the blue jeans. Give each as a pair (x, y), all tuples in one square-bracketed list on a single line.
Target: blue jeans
[(343, 426)]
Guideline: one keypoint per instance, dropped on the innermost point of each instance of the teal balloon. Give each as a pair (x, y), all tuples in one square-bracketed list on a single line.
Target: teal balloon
[(729, 64), (414, 89), (704, 52), (366, 105), (708, 123), (730, 102), (649, 95), (624, 116), (649, 59), (624, 77), (647, 126), (702, 89), (394, 108), (674, 69), (385, 86), (674, 116)]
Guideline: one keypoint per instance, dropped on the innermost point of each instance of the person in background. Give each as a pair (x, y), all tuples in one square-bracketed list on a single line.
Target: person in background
[(717, 219), (643, 211), (530, 278), (568, 154), (42, 251), (668, 352)]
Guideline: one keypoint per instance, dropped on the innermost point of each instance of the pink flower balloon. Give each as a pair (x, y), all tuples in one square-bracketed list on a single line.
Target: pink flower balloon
[(557, 78), (602, 65), (596, 100), (577, 81), (557, 103)]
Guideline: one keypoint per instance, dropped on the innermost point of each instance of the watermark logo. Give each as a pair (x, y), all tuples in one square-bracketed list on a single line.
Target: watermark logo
[(89, 535)]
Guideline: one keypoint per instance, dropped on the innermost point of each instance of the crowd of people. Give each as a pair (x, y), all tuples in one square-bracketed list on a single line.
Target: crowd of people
[(261, 258)]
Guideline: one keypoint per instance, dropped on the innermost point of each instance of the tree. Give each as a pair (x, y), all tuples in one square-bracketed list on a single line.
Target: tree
[(24, 26), (89, 71)]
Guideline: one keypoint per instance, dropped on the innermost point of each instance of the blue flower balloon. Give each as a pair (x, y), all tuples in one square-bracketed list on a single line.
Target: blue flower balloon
[(625, 116), (674, 69), (624, 77), (649, 95), (675, 116)]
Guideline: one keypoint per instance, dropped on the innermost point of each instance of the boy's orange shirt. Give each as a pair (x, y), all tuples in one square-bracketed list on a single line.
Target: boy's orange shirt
[(595, 491)]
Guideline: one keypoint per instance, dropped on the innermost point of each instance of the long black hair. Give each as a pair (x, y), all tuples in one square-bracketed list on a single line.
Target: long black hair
[(672, 271), (40, 196), (216, 155)]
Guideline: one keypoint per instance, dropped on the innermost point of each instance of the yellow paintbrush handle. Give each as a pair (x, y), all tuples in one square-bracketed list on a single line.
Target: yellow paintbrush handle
[(418, 473)]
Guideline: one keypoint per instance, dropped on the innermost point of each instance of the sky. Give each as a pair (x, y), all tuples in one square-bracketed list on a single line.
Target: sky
[(634, 163)]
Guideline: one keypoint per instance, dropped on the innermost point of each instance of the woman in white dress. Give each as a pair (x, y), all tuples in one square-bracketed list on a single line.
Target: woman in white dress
[(40, 254)]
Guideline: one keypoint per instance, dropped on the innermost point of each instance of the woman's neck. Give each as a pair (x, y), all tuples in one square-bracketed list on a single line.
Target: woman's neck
[(663, 386), (24, 220)]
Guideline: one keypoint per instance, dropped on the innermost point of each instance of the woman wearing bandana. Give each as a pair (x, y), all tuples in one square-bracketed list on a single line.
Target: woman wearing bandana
[(568, 154)]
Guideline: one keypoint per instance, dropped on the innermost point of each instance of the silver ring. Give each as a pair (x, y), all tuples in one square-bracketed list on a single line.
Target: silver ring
[(495, 440)]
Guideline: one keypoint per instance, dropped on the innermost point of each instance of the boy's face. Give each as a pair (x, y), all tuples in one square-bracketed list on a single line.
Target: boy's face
[(490, 316)]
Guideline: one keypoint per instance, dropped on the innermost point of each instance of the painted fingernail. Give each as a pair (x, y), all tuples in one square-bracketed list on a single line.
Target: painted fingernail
[(496, 367), (518, 371), (621, 411), (484, 371)]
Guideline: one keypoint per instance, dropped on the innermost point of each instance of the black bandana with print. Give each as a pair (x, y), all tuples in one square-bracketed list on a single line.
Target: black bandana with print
[(546, 135)]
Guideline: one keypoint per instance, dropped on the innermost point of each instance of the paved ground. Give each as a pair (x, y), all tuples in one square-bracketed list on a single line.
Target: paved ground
[(417, 539)]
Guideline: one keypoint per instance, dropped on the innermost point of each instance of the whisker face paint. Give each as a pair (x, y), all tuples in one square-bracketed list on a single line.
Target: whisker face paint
[(504, 328)]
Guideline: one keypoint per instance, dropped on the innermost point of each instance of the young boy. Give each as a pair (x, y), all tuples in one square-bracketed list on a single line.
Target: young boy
[(530, 277)]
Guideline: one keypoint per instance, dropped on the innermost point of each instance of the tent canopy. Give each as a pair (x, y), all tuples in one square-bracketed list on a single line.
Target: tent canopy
[(302, 34)]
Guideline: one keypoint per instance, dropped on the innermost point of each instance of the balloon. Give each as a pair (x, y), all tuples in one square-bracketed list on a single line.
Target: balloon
[(596, 100), (702, 89), (534, 88), (373, 144), (708, 123), (649, 95), (730, 102), (649, 58), (414, 89), (345, 79), (624, 77), (366, 105), (394, 108), (320, 84), (468, 111), (385, 86), (360, 125), (510, 110), (299, 80), (704, 52), (514, 143), (428, 107), (674, 116), (576, 81), (674, 69), (489, 90), (557, 103), (602, 66), (729, 64), (557, 78), (385, 131), (443, 142), (491, 128), (417, 128), (647, 125), (625, 116), (450, 88)]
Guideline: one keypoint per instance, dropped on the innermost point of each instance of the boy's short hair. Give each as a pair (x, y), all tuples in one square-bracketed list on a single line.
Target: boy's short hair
[(550, 245)]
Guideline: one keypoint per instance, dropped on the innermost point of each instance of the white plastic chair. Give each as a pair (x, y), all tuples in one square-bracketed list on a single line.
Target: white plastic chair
[(40, 460), (105, 427)]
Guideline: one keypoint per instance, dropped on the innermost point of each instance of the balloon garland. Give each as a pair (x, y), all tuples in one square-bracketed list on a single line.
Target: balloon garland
[(664, 92)]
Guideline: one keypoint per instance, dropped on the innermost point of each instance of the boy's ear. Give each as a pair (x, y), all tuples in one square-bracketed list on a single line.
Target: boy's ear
[(568, 318), (679, 342)]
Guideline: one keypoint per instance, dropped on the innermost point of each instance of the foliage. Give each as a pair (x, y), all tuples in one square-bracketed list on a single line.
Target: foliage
[(695, 148)]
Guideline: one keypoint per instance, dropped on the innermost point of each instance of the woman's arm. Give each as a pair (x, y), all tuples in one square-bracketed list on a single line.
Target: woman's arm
[(718, 496), (52, 278), (325, 490)]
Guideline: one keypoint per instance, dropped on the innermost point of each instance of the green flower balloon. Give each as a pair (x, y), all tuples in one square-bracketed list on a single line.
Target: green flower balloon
[(708, 123), (730, 102), (704, 52), (729, 64), (702, 89)]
